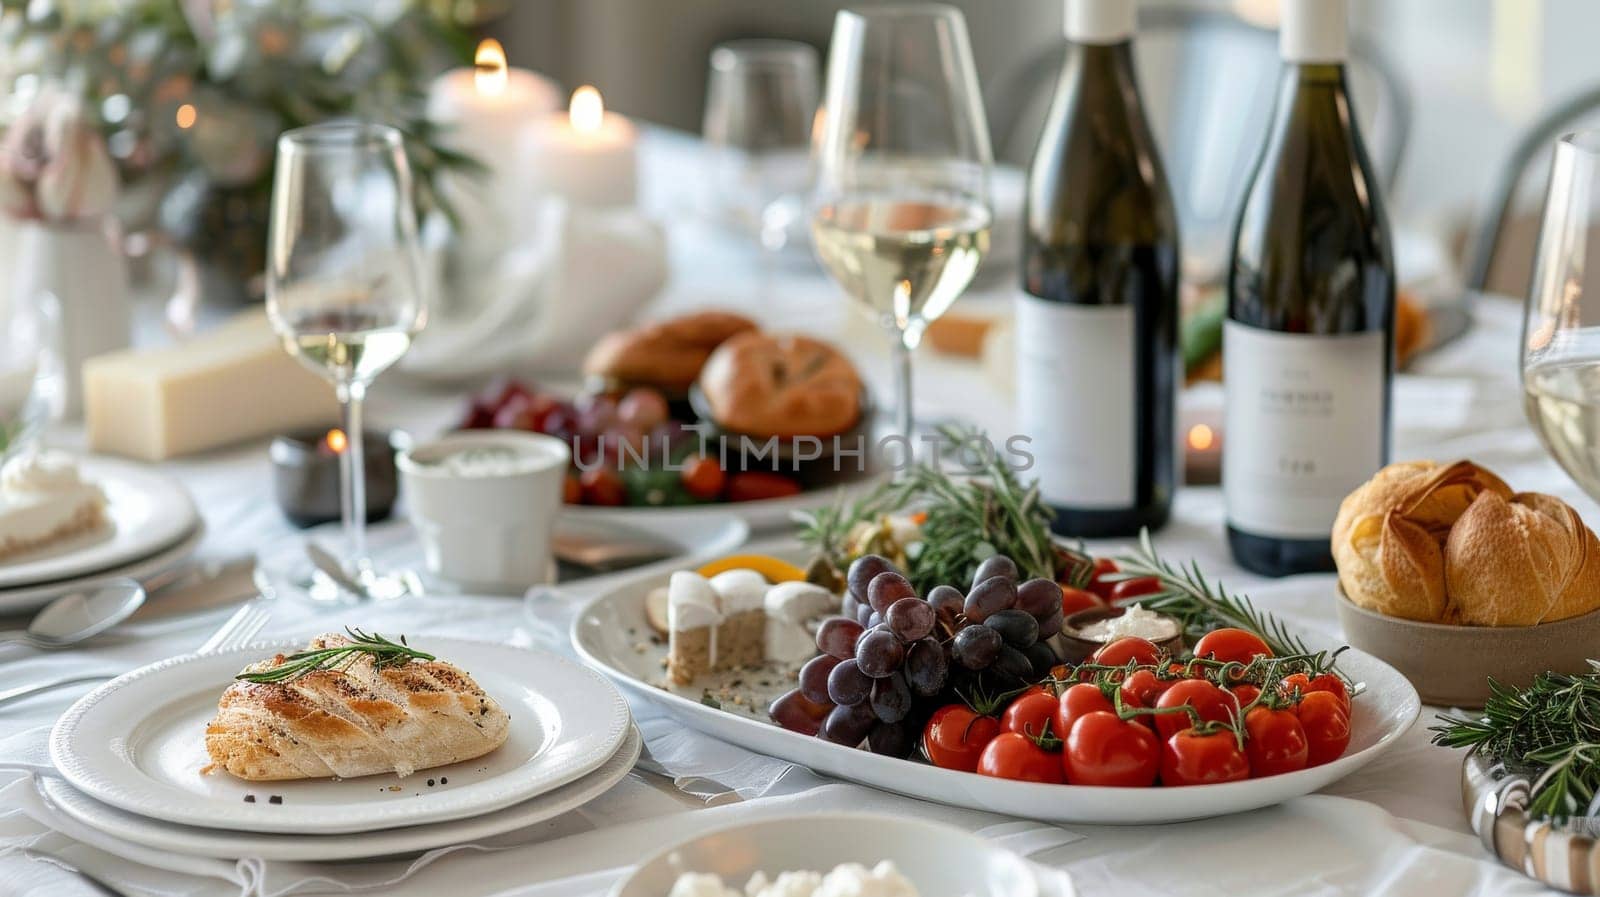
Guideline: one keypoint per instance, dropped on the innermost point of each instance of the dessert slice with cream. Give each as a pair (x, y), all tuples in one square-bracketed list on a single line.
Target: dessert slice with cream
[(44, 500)]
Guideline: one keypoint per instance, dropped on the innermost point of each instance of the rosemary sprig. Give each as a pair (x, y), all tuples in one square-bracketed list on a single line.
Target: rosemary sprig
[(1552, 727), (383, 652), (1198, 604)]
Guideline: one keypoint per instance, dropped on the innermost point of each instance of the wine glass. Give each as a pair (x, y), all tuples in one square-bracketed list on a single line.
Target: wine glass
[(901, 206), (344, 286), (760, 100)]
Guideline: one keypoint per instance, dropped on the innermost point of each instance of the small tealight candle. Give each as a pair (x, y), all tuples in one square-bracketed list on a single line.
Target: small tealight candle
[(1202, 449), (305, 475), (587, 156)]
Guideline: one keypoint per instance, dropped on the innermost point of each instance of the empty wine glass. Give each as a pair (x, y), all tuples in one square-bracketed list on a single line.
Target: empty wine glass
[(1561, 327), (344, 285), (32, 388), (901, 206), (760, 101)]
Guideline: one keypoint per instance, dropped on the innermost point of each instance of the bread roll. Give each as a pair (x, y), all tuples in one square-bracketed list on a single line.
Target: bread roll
[(1455, 545), (355, 720), (667, 355), (781, 385)]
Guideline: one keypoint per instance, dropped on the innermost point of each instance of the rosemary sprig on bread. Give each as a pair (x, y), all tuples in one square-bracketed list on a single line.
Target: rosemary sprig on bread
[(384, 653)]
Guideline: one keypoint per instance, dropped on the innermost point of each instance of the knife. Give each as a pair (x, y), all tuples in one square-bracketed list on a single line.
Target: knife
[(198, 587)]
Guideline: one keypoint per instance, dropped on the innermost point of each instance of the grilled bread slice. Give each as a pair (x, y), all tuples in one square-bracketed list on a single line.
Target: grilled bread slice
[(353, 720)]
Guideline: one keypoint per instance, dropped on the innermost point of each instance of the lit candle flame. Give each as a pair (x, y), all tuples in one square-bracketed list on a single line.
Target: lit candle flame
[(1201, 437), (587, 109), (186, 116), (336, 440), (490, 65)]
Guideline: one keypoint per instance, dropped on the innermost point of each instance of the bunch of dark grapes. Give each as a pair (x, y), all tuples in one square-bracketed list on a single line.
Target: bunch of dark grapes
[(892, 657)]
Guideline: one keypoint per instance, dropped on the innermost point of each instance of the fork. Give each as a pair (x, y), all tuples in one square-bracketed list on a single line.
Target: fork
[(239, 628)]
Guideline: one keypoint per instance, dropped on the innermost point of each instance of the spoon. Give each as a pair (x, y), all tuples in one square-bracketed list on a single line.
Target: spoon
[(76, 616)]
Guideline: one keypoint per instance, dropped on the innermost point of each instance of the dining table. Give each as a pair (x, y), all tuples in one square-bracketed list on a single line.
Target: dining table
[(1395, 827)]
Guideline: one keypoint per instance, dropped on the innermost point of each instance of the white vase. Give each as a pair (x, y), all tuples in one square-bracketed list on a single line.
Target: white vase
[(78, 264)]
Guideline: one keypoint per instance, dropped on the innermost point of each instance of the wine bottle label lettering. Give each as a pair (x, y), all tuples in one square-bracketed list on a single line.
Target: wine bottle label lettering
[(1075, 400), (1303, 426)]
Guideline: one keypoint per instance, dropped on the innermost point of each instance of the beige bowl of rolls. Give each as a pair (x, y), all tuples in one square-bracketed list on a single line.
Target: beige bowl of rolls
[(1454, 579)]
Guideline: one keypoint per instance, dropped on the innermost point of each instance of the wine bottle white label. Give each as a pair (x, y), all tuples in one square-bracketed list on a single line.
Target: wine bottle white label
[(1302, 428), (1075, 401)]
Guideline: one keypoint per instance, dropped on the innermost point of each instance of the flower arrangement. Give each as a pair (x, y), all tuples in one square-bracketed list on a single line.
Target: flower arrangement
[(54, 166)]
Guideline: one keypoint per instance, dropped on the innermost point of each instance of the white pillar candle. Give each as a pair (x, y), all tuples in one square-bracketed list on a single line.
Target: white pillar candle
[(586, 156), (485, 109)]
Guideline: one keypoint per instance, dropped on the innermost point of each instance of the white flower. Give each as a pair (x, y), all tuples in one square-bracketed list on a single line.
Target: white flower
[(54, 164)]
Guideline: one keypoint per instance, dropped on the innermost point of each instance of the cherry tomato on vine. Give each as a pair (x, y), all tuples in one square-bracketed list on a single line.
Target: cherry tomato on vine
[(755, 485), (1210, 702), (1104, 749), (955, 737), (571, 490), (1143, 688), (1133, 588), (1014, 756), (1327, 726), (1231, 646), (1077, 702), (703, 478), (1097, 582), (1075, 599), (1128, 648), (1275, 742), (1245, 693), (1192, 758), (1323, 682), (1031, 713), (602, 486)]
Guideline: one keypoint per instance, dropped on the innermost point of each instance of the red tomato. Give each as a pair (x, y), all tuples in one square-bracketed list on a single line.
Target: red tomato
[(1327, 726), (1074, 600), (571, 490), (1030, 714), (755, 485), (955, 737), (1245, 693), (1210, 702), (703, 478), (1077, 702), (1125, 649), (602, 486), (1104, 749), (1323, 682), (1097, 584), (1014, 756), (1275, 742), (1143, 689), (1189, 758), (1231, 645), (1133, 588)]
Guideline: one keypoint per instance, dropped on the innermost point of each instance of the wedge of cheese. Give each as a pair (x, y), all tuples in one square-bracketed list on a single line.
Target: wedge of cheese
[(223, 386)]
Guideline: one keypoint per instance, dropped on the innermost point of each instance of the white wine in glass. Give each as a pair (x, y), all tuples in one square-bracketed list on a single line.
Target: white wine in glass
[(901, 208), (345, 292)]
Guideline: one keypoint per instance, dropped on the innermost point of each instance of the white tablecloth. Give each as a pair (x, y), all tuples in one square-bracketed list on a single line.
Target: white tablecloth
[(1395, 828)]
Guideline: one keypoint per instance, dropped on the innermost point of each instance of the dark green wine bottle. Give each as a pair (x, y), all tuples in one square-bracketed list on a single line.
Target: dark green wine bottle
[(1308, 346), (1097, 319)]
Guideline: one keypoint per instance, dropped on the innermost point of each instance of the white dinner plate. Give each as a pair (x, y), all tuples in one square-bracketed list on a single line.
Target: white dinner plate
[(1379, 717), (149, 513), (938, 859), (138, 743), (204, 842), (27, 598), (764, 516)]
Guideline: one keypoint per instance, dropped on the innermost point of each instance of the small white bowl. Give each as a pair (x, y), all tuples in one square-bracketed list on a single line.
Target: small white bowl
[(490, 528), (939, 859)]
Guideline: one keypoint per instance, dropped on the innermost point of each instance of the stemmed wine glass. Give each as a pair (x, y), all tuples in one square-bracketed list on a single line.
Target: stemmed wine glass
[(344, 285), (901, 204)]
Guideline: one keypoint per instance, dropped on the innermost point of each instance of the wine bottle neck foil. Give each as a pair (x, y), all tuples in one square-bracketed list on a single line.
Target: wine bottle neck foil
[(1100, 21), (1314, 31)]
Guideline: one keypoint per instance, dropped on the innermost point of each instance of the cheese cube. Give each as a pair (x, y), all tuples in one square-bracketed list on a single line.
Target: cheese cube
[(220, 387)]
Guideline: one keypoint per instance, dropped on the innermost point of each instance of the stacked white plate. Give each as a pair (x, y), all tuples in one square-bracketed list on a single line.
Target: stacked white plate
[(154, 525), (131, 754)]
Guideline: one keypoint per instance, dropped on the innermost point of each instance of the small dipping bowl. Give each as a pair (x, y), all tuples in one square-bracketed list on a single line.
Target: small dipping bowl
[(484, 503), (305, 474), (1074, 648)]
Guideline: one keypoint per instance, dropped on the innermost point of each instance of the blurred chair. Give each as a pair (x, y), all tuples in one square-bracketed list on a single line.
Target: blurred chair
[(1501, 251), (1209, 82)]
